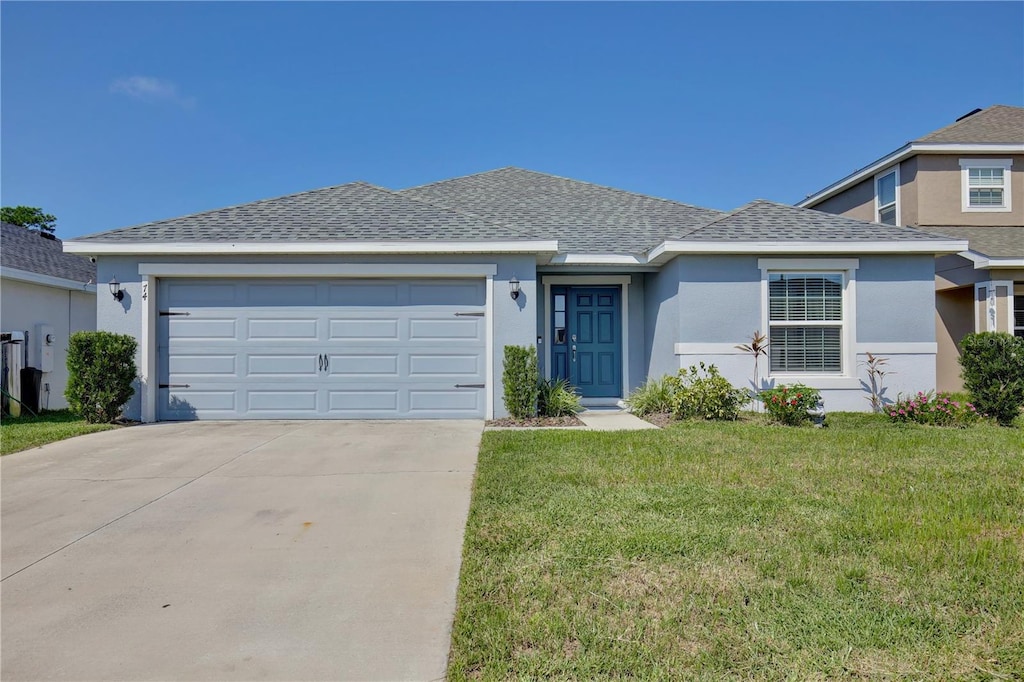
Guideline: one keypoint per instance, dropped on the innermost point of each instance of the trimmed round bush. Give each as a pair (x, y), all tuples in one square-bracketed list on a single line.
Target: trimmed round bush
[(101, 370), (993, 371)]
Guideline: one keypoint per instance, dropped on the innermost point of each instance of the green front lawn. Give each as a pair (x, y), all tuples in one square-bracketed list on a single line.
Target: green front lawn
[(20, 433), (865, 550)]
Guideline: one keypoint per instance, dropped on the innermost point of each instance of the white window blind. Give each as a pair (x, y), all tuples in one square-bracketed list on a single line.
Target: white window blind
[(805, 312)]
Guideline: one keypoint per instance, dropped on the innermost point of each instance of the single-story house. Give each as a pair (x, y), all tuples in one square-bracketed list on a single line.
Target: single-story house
[(45, 295), (357, 301)]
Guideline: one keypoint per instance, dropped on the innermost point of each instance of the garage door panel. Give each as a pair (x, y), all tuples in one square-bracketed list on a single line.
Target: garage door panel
[(276, 365), (363, 364), (448, 329), (202, 329), (259, 355), (449, 364), (294, 329), (469, 293), (362, 328), (379, 401), (363, 294), (279, 401)]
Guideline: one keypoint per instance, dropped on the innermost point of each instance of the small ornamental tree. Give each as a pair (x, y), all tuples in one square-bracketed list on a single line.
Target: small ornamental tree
[(993, 371), (520, 380), (101, 369)]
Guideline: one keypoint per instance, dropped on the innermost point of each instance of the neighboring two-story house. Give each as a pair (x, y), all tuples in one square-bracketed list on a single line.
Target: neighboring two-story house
[(964, 181)]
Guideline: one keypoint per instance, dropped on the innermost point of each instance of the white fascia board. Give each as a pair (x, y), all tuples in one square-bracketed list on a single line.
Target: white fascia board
[(595, 259), (983, 262), (669, 249), (47, 280), (98, 248), (899, 155)]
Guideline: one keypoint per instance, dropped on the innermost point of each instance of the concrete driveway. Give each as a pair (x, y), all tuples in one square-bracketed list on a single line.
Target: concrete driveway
[(236, 551)]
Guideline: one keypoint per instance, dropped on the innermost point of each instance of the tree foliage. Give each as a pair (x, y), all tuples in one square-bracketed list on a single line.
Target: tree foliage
[(29, 217)]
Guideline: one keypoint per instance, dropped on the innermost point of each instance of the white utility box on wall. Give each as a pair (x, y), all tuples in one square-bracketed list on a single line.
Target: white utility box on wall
[(43, 347)]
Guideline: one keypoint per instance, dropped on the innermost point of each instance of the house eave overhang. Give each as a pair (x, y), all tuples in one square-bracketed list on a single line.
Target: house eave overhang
[(670, 249), (47, 280), (983, 262), (905, 152), (125, 248)]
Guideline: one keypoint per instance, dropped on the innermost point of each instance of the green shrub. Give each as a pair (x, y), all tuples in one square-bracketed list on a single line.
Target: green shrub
[(789, 404), (520, 379), (557, 398), (938, 410), (993, 371), (101, 369), (654, 396), (710, 396)]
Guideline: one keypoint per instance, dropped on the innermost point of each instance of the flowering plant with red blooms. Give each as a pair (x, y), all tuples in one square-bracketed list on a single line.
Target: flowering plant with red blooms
[(942, 409), (789, 404)]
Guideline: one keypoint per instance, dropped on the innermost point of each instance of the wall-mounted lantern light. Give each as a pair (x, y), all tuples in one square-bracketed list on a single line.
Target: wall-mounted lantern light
[(115, 289), (513, 286)]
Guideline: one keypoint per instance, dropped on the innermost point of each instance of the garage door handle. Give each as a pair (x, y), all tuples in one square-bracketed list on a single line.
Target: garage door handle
[(469, 314), (320, 362), (469, 385), (327, 362)]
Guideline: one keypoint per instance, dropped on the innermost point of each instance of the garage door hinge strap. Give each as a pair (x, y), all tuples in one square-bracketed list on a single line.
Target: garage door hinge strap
[(167, 313), (480, 314), (174, 386), (469, 385)]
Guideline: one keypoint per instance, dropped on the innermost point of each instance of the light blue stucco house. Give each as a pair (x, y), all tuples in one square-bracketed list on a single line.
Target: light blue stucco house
[(357, 301)]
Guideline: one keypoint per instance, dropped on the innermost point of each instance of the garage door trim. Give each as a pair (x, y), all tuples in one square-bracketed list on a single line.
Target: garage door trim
[(152, 272)]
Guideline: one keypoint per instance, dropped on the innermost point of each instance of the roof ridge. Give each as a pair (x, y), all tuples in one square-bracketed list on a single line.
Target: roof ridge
[(226, 208), (724, 216), (460, 211), (568, 179)]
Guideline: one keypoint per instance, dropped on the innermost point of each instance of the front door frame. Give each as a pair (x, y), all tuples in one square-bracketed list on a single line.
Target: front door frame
[(622, 281)]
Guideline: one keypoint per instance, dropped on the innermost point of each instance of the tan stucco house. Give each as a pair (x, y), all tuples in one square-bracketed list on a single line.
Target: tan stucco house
[(964, 181)]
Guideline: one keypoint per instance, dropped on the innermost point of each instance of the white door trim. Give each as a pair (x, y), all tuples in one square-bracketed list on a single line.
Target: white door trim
[(623, 281)]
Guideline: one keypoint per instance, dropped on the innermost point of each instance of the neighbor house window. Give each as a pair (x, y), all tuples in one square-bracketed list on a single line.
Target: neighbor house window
[(1018, 314), (985, 184), (886, 211)]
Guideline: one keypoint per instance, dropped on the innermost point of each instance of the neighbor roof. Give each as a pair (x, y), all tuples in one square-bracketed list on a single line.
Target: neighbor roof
[(994, 242), (762, 220), (28, 250), (356, 211), (998, 124), (584, 218)]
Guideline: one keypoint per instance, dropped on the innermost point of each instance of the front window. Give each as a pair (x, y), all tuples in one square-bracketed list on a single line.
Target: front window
[(885, 198), (805, 322), (985, 184), (1018, 312)]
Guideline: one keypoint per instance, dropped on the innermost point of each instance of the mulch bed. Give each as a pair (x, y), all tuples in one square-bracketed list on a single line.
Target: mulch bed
[(659, 419), (536, 421)]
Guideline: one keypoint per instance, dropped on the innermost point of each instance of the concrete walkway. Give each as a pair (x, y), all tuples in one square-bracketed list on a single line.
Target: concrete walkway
[(236, 551), (613, 419)]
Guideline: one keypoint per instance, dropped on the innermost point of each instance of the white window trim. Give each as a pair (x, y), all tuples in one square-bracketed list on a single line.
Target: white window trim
[(623, 281), (889, 171), (965, 189), (847, 267)]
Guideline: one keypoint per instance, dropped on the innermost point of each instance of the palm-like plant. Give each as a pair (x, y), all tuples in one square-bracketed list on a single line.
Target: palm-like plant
[(757, 347)]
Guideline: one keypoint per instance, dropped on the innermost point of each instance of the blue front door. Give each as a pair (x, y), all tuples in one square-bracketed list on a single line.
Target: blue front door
[(593, 341)]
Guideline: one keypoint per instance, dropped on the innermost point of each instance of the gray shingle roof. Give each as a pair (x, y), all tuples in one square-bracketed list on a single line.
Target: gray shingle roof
[(356, 211), (25, 249), (583, 217), (998, 124), (994, 242), (762, 220)]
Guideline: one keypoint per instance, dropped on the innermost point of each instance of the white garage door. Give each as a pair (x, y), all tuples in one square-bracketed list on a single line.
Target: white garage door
[(335, 349)]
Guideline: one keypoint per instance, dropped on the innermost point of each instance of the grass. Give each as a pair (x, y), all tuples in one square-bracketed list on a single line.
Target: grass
[(21, 433), (739, 550)]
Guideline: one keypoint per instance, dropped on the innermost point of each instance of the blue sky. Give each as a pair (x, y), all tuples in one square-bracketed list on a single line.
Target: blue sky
[(120, 113)]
